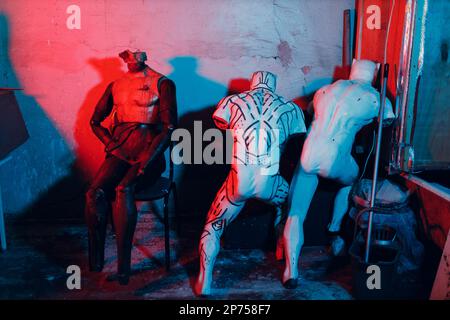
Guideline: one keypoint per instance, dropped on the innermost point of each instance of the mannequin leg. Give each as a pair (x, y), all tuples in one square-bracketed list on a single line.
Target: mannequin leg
[(346, 174), (98, 208), (301, 193), (279, 224), (346, 171), (221, 213), (125, 218), (339, 210), (278, 195), (96, 215)]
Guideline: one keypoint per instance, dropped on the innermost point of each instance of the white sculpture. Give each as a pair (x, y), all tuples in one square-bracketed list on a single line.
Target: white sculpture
[(260, 122), (341, 109)]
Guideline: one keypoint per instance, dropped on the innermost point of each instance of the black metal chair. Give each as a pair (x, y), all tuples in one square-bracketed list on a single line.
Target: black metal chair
[(162, 190)]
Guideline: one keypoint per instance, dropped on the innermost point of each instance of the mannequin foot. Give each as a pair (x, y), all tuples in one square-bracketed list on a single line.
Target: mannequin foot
[(290, 283), (96, 259), (290, 279), (337, 246), (201, 289)]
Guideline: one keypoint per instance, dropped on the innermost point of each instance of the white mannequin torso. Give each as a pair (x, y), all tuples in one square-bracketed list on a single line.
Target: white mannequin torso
[(340, 111), (260, 122)]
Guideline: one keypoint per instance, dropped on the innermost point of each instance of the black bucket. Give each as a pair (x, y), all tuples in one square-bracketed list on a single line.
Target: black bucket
[(384, 256)]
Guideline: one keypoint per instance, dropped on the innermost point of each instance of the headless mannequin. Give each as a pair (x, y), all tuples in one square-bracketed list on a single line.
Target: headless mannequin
[(260, 122), (143, 106), (340, 111)]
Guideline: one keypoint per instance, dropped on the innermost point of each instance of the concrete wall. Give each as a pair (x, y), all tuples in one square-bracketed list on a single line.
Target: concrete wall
[(205, 46)]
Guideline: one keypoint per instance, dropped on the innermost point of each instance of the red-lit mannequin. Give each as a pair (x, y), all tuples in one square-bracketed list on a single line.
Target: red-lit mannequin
[(143, 108), (260, 122), (341, 109)]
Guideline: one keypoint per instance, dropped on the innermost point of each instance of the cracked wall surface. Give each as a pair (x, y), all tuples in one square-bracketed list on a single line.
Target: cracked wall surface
[(203, 45)]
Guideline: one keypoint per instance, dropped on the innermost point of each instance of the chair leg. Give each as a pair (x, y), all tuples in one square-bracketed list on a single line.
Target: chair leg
[(175, 202), (166, 232)]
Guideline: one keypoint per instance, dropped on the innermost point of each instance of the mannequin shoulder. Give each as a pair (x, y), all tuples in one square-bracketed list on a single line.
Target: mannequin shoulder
[(165, 82), (149, 72), (292, 106), (226, 100)]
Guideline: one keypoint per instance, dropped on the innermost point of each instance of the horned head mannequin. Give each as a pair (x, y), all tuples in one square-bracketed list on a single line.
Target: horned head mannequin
[(135, 60)]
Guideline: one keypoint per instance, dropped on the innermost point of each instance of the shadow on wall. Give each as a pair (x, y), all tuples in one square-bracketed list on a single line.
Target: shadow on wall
[(41, 178), (89, 150), (199, 183), (197, 97), (40, 183)]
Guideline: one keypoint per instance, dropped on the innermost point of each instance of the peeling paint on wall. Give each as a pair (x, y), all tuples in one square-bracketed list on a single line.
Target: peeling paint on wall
[(285, 53)]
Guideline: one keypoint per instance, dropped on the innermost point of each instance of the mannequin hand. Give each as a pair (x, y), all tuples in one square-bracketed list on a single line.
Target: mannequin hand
[(110, 145), (119, 154), (113, 148), (142, 168), (143, 165)]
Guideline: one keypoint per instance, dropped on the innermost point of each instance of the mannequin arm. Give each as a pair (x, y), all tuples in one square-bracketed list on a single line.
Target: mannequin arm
[(168, 116), (101, 112), (222, 114)]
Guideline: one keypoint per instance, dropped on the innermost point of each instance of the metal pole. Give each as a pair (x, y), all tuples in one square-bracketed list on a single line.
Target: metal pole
[(347, 40), (360, 14), (377, 160)]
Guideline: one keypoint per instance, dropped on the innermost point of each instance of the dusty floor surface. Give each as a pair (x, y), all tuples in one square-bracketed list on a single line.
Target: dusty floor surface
[(35, 264)]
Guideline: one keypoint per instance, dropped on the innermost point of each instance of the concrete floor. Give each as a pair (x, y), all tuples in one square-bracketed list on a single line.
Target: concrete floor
[(34, 267)]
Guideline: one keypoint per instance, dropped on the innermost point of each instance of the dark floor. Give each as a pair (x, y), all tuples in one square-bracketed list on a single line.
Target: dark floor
[(34, 267)]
